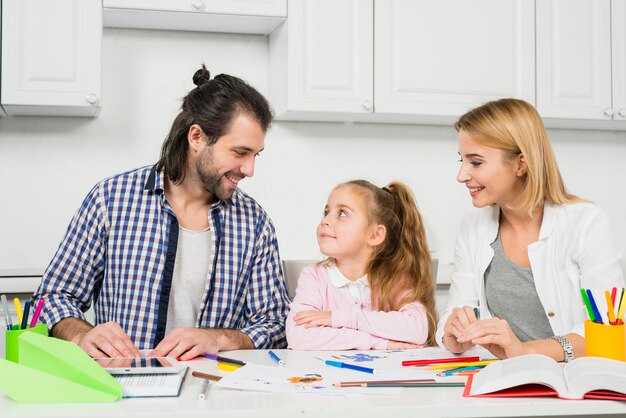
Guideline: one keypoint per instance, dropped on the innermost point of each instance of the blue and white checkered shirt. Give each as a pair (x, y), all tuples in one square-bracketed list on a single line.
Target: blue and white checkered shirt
[(119, 252)]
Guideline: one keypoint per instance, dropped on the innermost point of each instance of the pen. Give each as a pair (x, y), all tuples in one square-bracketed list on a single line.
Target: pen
[(7, 318), (33, 322), (18, 309), (343, 365), (224, 359), (427, 362), (202, 394), (25, 316), (275, 358)]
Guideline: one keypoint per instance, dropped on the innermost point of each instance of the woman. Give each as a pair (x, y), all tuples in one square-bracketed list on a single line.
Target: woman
[(523, 258)]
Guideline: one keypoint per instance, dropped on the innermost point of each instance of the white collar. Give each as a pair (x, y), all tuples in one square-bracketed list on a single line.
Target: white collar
[(339, 280)]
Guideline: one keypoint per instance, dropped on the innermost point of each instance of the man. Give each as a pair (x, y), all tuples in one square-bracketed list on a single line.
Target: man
[(174, 256)]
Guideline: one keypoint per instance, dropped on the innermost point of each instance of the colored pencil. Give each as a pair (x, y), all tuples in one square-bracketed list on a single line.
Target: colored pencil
[(427, 362), (206, 376)]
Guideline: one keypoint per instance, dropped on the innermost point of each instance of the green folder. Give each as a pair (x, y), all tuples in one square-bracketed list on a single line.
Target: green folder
[(55, 371)]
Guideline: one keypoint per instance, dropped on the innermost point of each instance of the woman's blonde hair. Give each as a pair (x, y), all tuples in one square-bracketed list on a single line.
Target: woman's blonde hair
[(400, 270), (515, 127)]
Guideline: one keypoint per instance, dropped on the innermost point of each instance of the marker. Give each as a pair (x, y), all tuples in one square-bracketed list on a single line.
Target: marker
[(7, 318), (588, 305), (427, 362), (202, 394), (275, 358), (228, 367), (18, 309), (477, 312), (610, 309), (33, 322), (596, 312), (25, 316), (343, 365), (224, 359)]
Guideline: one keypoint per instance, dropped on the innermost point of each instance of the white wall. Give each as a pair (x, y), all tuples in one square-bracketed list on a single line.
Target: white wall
[(47, 165)]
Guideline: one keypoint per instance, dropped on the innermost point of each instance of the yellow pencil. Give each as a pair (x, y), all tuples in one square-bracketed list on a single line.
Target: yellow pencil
[(465, 364), (18, 309), (610, 308), (228, 367)]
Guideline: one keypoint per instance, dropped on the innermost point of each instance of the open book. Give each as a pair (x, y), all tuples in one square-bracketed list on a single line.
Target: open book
[(539, 375)]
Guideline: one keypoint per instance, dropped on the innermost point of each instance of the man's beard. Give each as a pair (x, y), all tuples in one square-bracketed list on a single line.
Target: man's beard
[(210, 179)]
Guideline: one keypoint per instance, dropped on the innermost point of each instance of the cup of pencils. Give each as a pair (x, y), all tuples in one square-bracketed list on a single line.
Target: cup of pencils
[(24, 324), (605, 334)]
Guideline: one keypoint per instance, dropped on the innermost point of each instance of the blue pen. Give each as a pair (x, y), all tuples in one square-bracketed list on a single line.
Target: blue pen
[(592, 302), (349, 366), (275, 357), (7, 317), (25, 314)]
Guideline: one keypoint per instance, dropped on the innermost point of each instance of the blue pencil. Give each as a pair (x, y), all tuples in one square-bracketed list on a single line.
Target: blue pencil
[(592, 302)]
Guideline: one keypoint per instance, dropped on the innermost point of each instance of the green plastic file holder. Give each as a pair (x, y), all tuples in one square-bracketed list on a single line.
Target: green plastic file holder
[(55, 371)]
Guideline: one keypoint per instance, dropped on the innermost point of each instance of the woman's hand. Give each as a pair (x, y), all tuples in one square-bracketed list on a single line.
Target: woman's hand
[(458, 321), (495, 335), (313, 319)]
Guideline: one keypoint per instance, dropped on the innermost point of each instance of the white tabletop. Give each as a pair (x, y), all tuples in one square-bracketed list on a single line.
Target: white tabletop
[(224, 403)]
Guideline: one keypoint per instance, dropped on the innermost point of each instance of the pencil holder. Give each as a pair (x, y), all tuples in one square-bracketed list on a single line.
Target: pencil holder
[(605, 340), (12, 339)]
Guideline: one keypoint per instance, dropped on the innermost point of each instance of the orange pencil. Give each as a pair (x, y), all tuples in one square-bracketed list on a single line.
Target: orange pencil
[(611, 309)]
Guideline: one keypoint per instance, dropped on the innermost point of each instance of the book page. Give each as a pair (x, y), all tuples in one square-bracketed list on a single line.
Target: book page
[(517, 371), (586, 374)]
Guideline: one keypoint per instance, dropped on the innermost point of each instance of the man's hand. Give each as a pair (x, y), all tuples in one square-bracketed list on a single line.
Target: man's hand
[(104, 340), (188, 343), (455, 326), (313, 318)]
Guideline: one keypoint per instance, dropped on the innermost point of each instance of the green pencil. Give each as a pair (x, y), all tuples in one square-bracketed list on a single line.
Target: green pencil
[(588, 305)]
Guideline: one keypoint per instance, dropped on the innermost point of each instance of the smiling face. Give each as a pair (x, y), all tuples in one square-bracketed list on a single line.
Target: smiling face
[(222, 165), (345, 233), (490, 176)]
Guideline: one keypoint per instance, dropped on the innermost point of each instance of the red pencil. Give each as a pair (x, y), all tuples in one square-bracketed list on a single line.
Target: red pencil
[(613, 293), (439, 361)]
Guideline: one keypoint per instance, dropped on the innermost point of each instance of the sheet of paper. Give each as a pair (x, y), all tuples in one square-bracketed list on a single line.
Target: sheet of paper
[(317, 380)]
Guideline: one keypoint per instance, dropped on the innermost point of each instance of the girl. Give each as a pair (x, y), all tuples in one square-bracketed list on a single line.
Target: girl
[(375, 289), (524, 257)]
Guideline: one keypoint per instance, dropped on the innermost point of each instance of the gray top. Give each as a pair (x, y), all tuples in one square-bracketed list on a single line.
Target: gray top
[(189, 279), (511, 295)]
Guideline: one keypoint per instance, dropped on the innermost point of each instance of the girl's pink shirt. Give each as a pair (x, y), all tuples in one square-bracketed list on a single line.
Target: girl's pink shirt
[(354, 325)]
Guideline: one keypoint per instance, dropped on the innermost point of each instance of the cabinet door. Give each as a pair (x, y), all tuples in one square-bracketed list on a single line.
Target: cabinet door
[(574, 59), (321, 60), (444, 57), (238, 7), (618, 26), (51, 54)]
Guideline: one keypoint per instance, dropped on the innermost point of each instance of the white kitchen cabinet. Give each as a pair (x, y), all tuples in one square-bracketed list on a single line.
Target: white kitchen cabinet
[(402, 61), (321, 61), (580, 59), (235, 16), (51, 57), (445, 57), (618, 42)]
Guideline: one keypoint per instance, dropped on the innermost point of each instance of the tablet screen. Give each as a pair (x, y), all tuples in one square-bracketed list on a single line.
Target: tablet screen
[(138, 365)]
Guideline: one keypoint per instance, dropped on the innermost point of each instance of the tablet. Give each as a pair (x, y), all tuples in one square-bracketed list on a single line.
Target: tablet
[(140, 365)]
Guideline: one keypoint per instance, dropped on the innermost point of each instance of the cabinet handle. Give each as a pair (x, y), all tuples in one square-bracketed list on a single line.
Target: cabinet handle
[(367, 105), (197, 4), (622, 112), (608, 112), (91, 98)]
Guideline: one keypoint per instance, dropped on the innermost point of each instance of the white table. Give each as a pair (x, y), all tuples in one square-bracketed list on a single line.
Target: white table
[(225, 403)]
